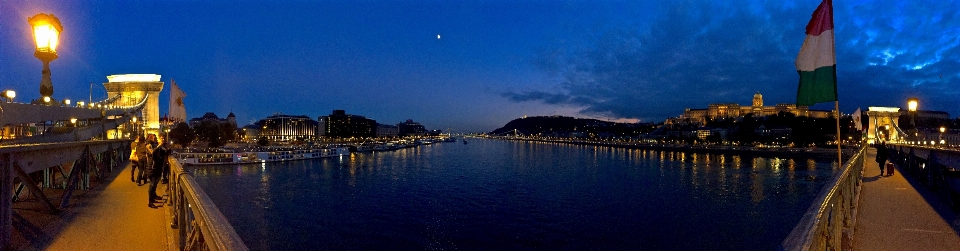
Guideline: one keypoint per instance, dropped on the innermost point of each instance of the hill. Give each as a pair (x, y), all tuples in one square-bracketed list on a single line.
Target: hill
[(561, 126)]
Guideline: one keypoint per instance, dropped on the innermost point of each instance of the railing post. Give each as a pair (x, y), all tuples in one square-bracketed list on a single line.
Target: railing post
[(6, 201)]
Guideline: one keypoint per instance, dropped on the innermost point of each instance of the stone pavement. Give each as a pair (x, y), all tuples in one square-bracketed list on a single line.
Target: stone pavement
[(111, 216), (897, 214)]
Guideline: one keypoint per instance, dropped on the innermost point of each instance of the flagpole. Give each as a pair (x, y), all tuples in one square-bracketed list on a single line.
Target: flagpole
[(836, 105)]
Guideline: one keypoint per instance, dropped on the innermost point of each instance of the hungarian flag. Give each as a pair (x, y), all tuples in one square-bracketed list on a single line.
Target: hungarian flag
[(817, 61), (177, 111)]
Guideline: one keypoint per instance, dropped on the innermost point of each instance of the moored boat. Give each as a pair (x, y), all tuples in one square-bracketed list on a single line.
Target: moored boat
[(221, 156)]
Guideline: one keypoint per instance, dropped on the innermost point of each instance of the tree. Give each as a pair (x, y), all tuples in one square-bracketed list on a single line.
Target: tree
[(182, 134), (228, 132), (262, 141), (209, 131)]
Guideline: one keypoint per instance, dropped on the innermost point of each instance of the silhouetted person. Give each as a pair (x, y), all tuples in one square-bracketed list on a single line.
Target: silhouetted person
[(881, 156), (159, 159)]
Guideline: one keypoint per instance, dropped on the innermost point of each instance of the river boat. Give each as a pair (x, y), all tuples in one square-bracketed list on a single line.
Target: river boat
[(222, 156)]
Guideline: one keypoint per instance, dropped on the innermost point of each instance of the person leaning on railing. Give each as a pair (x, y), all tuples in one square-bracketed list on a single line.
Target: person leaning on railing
[(159, 159)]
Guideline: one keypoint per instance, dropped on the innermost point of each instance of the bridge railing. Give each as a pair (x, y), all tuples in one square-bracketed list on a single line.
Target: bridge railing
[(200, 223), (828, 223)]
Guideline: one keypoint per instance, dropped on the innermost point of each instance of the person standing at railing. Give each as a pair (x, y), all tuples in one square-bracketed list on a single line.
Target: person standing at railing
[(881, 156), (134, 160), (159, 159), (144, 151)]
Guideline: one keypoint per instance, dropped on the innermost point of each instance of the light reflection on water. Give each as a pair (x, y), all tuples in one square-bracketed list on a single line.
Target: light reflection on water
[(516, 195)]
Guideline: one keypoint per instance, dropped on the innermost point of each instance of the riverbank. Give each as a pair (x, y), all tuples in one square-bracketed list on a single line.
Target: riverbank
[(778, 152)]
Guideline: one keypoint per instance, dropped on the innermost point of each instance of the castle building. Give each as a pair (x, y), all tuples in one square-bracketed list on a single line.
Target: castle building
[(734, 110)]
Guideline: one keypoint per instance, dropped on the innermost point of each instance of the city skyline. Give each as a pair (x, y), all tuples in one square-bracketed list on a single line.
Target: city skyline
[(473, 67)]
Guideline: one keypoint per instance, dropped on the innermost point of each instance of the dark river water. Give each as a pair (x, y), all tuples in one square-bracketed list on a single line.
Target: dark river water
[(508, 195)]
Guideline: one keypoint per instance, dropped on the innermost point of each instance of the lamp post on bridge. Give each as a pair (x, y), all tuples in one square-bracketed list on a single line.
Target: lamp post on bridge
[(942, 130), (912, 104), (46, 34)]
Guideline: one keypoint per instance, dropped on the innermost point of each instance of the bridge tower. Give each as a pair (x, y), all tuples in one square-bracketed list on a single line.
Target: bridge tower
[(880, 118), (133, 87)]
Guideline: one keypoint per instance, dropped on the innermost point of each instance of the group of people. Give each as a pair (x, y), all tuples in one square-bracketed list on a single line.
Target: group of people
[(150, 156), (881, 159)]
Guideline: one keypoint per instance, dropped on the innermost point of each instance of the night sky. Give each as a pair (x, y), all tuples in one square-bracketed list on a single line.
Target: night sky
[(495, 60)]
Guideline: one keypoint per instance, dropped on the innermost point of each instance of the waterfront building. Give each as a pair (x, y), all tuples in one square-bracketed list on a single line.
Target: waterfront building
[(132, 88), (251, 132), (387, 130), (280, 127), (342, 125), (212, 117), (322, 126), (734, 110), (410, 128)]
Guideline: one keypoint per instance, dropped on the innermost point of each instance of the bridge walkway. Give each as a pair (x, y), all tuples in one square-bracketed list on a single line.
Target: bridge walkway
[(111, 216), (899, 214)]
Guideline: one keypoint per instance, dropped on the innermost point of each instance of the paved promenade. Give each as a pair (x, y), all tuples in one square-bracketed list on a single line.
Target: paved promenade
[(897, 214), (111, 216)]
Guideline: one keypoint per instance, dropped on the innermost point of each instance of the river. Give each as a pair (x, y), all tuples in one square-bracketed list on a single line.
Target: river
[(512, 195)]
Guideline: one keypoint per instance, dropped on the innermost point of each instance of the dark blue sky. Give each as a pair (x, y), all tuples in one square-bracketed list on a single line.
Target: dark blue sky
[(495, 61)]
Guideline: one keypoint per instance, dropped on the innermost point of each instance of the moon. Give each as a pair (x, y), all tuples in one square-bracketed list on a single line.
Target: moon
[(438, 36)]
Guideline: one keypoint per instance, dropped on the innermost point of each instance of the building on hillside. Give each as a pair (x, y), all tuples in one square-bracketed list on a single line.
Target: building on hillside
[(387, 130), (342, 125), (734, 110), (410, 128), (212, 117), (280, 127)]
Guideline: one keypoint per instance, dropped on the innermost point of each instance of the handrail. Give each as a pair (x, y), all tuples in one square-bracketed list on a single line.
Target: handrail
[(199, 221), (828, 223)]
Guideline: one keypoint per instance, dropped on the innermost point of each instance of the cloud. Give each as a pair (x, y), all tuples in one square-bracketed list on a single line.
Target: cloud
[(694, 53)]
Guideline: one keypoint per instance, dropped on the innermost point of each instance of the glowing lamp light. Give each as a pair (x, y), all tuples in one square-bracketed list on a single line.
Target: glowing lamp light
[(943, 129), (46, 99), (46, 33), (134, 119), (912, 104), (66, 101), (73, 121), (80, 103), (10, 94)]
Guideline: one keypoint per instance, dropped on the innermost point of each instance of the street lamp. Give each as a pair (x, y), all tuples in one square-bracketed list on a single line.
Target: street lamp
[(46, 32), (9, 94), (912, 108)]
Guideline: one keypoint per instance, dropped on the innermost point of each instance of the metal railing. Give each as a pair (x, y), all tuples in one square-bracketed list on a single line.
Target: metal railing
[(201, 225), (828, 223)]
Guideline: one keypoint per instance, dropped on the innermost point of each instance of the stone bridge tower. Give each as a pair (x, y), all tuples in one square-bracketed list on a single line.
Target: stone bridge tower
[(883, 124), (133, 87)]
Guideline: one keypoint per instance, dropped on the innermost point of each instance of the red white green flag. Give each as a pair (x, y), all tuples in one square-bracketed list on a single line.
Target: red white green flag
[(817, 61)]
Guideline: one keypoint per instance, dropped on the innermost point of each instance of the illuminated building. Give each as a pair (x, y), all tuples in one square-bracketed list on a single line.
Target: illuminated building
[(410, 128), (343, 125), (212, 117), (387, 130), (734, 110), (281, 127)]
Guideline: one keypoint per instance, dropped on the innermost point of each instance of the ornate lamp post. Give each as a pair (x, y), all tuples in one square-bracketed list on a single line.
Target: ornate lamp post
[(46, 32), (912, 109)]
